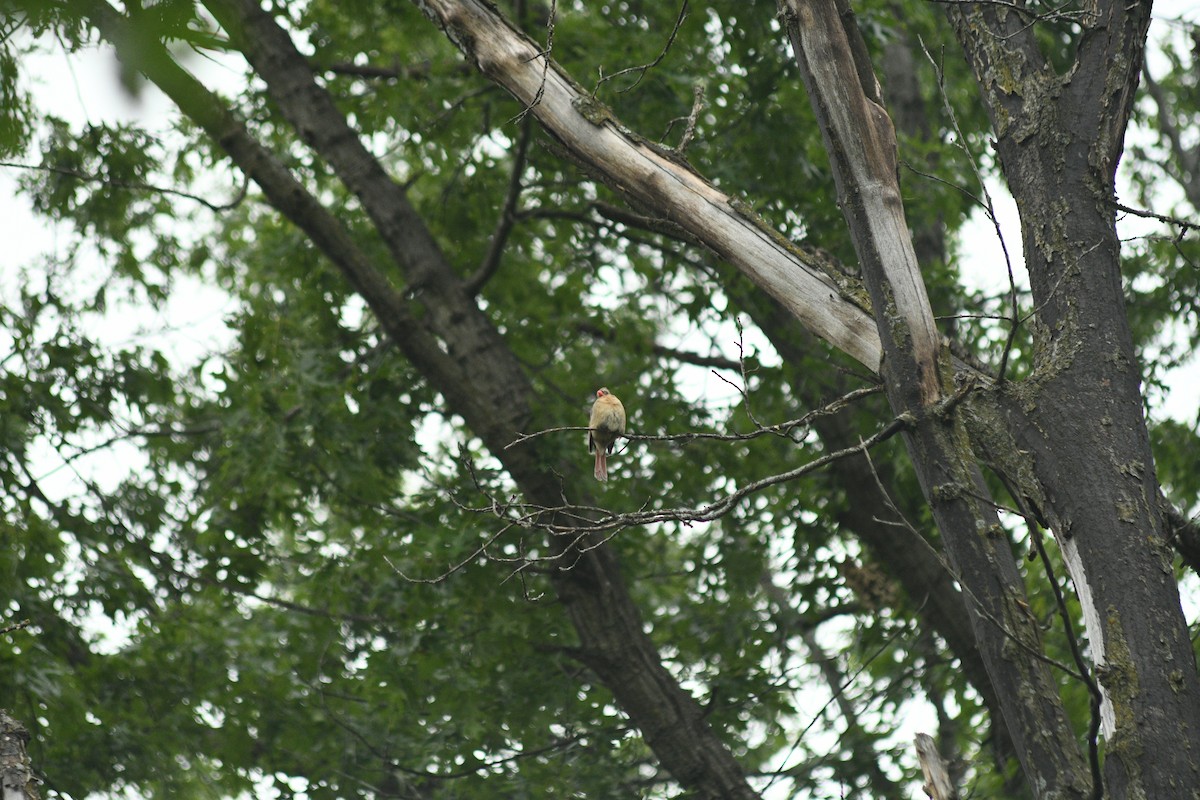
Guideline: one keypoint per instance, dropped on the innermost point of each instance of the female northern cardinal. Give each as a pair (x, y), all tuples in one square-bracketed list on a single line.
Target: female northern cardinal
[(606, 424)]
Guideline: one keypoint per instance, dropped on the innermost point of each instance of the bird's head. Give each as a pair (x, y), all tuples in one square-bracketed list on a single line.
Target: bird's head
[(602, 392)]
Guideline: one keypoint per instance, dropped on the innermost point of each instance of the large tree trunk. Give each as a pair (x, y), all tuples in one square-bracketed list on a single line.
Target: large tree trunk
[(861, 144), (17, 781), (1079, 416), (1058, 140)]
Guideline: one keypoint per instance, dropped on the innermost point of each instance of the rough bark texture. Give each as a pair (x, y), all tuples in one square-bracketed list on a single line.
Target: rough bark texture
[(1089, 468), (845, 97), (1079, 416), (506, 56), (17, 781), (924, 578)]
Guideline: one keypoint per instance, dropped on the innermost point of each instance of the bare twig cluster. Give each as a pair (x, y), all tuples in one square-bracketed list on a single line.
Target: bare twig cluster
[(587, 527), (783, 429), (989, 209), (642, 69)]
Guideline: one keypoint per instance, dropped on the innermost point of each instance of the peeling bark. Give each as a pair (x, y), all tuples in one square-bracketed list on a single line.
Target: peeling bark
[(929, 585), (653, 177), (17, 781), (1086, 462), (861, 143), (861, 147)]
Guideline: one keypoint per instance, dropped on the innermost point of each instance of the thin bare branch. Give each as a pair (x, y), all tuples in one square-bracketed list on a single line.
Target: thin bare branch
[(1035, 536), (610, 521), (1176, 221), (137, 186), (836, 693), (125, 435), (14, 626), (978, 605), (989, 209), (544, 54), (744, 389), (508, 213), (783, 429), (644, 68), (582, 523), (856, 734), (689, 132)]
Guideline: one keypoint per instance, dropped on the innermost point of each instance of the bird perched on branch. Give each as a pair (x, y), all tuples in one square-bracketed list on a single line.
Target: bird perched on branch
[(606, 424)]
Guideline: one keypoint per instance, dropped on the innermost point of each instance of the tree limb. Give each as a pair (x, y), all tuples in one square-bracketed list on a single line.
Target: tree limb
[(861, 146), (650, 177), (456, 349), (508, 214)]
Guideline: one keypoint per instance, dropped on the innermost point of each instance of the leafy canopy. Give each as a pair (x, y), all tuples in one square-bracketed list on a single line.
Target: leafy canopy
[(273, 563)]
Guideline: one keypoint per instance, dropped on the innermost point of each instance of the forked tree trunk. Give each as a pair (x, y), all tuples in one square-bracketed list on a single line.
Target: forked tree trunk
[(1088, 464), (1079, 417), (861, 144)]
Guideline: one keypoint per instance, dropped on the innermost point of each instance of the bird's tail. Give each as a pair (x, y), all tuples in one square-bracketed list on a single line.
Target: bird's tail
[(601, 465)]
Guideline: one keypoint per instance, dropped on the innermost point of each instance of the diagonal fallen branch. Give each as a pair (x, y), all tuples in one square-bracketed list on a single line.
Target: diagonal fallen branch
[(653, 177)]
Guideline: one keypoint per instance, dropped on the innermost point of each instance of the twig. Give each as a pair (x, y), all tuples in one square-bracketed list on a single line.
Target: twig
[(989, 209), (544, 54), (613, 521), (1073, 642), (508, 216), (1057, 284), (744, 389), (14, 626), (821, 712), (83, 176), (644, 68), (124, 435), (582, 522), (692, 119), (979, 607), (881, 784), (778, 429), (1137, 212)]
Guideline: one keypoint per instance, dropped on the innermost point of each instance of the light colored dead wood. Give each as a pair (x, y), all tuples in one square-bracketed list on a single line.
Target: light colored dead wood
[(653, 180), (937, 780)]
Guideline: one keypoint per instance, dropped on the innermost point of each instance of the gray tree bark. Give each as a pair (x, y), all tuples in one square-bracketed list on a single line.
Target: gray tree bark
[(861, 144), (1079, 416), (17, 781)]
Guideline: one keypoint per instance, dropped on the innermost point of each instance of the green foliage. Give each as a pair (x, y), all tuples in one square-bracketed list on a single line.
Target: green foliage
[(276, 567)]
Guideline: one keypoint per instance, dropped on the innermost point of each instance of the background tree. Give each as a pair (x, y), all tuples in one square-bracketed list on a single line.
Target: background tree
[(353, 553)]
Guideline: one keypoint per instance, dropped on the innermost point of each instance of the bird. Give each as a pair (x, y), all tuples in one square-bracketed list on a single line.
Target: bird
[(606, 424)]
